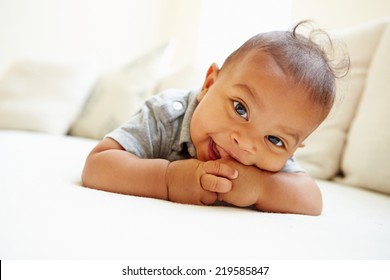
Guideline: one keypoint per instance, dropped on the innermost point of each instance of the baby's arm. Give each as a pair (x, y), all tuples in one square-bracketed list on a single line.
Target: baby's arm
[(274, 192), (109, 167)]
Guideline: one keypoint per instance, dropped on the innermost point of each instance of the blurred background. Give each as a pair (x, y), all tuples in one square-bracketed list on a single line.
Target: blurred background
[(113, 32)]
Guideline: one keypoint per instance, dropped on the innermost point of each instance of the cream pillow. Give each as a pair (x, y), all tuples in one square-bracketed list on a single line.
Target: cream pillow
[(322, 154), (186, 77), (366, 160), (119, 94), (42, 96)]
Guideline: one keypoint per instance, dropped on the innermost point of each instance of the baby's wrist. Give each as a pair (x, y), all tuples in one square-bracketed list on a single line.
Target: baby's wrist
[(167, 179), (171, 179)]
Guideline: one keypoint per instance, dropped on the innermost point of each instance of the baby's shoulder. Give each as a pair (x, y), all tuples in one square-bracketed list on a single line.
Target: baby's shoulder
[(169, 104)]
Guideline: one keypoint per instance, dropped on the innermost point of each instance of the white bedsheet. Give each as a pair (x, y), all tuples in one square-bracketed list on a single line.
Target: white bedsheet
[(46, 214)]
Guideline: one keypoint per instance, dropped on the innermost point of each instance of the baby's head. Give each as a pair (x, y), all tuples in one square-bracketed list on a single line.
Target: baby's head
[(303, 60), (267, 98)]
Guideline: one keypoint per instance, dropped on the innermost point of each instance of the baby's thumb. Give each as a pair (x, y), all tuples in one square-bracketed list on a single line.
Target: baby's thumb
[(215, 184), (220, 169)]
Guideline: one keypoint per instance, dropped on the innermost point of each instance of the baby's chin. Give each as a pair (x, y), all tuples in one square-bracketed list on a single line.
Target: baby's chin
[(268, 168)]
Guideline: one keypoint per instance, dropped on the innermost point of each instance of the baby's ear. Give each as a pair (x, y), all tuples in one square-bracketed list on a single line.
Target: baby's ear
[(211, 76)]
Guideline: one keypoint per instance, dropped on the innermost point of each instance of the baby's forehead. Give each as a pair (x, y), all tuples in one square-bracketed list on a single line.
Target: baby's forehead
[(262, 62), (260, 65)]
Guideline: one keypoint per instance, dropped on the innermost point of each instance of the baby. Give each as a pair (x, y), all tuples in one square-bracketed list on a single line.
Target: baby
[(234, 139)]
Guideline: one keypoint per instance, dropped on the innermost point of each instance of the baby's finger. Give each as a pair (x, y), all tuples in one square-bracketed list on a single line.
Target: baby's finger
[(208, 198), (214, 183), (220, 169)]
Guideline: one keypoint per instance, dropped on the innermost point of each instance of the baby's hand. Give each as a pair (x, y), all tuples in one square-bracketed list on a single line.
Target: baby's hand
[(196, 182), (245, 190)]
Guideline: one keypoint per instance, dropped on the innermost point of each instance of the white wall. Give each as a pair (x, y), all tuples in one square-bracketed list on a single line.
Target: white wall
[(339, 13), (226, 25), (110, 32)]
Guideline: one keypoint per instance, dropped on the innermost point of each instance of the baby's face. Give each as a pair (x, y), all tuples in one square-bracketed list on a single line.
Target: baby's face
[(252, 113)]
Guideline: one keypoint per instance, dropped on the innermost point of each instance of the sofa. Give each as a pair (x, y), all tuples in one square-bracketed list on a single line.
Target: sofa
[(52, 115)]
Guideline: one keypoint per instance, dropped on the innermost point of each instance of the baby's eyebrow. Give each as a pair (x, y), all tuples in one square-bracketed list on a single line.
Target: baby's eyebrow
[(252, 93), (248, 89)]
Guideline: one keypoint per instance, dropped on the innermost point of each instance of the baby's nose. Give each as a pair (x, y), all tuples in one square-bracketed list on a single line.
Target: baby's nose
[(245, 142)]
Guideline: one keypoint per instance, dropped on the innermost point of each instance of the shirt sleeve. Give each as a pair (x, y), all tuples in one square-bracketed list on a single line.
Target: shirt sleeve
[(146, 133), (292, 166)]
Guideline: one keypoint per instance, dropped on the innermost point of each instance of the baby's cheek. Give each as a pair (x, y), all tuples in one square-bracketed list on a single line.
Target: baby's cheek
[(272, 164)]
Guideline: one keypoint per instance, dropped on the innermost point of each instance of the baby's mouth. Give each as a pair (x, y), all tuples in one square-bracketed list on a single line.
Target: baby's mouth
[(213, 151)]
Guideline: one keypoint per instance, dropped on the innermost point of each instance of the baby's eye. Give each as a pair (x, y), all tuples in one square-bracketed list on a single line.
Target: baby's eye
[(240, 109), (275, 140)]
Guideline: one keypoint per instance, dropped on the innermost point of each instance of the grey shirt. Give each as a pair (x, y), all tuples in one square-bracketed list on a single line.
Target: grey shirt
[(161, 129)]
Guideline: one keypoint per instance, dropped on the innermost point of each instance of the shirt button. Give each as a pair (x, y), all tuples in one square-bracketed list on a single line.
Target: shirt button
[(177, 106)]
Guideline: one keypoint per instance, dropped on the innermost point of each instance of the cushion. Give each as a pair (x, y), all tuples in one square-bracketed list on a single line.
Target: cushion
[(322, 154), (190, 76), (43, 96), (367, 154), (119, 94)]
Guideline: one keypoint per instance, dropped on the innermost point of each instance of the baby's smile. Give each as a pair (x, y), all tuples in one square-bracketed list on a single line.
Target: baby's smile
[(217, 152), (213, 152)]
